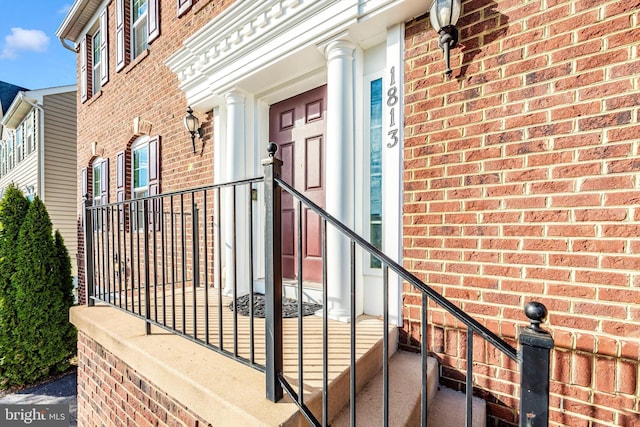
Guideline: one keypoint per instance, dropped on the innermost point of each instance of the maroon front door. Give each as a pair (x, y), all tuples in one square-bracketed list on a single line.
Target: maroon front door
[(297, 125)]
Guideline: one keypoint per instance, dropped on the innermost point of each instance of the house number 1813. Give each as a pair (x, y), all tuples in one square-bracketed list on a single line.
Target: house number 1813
[(392, 101)]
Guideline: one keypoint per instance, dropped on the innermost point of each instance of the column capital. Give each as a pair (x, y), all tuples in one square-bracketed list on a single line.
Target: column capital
[(341, 48), (234, 97)]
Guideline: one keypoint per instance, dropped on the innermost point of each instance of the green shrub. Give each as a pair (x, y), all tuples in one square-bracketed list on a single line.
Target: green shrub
[(13, 209), (44, 340)]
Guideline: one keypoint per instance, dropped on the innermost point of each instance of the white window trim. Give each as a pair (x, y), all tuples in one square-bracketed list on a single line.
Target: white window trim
[(141, 142), (142, 20), (96, 164)]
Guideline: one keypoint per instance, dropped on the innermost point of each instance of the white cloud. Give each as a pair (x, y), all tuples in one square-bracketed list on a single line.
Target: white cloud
[(23, 40)]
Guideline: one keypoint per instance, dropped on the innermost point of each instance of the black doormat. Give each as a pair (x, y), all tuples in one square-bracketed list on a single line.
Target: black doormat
[(289, 306)]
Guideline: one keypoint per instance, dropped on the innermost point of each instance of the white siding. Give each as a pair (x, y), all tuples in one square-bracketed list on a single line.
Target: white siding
[(60, 180), (23, 174)]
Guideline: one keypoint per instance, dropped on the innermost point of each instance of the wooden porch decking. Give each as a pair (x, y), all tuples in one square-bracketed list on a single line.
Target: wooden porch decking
[(169, 308)]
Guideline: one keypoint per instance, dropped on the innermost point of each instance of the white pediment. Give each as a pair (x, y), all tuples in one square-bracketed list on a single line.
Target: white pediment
[(257, 46)]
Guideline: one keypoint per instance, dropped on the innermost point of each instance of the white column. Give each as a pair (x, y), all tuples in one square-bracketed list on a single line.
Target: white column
[(235, 167), (340, 171)]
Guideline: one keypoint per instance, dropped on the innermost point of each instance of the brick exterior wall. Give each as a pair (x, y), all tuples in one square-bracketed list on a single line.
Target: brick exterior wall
[(148, 90), (521, 183), (112, 393)]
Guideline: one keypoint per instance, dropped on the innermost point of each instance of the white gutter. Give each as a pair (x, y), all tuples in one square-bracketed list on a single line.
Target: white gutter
[(64, 44)]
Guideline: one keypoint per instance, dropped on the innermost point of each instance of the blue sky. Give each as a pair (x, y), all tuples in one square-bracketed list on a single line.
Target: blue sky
[(31, 55)]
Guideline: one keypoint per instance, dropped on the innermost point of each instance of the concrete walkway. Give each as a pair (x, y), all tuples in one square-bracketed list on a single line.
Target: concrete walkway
[(59, 391)]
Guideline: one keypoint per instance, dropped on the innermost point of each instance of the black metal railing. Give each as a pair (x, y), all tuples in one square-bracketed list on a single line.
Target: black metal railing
[(161, 258), (535, 343)]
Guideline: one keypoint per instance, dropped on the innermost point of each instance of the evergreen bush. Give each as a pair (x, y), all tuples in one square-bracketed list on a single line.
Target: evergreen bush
[(13, 209), (44, 338)]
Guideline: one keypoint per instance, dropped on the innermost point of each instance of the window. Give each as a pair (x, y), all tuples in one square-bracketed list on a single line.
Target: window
[(141, 21), (96, 181), (29, 134), (95, 63), (10, 153), (140, 180), (139, 26), (140, 172), (94, 59), (99, 187), (3, 158), (375, 168), (18, 152), (144, 176)]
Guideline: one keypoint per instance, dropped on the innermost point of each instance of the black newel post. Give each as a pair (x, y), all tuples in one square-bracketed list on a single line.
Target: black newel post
[(535, 348), (87, 224), (273, 274)]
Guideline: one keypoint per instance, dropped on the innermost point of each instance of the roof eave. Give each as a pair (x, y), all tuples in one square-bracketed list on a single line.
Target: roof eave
[(76, 19)]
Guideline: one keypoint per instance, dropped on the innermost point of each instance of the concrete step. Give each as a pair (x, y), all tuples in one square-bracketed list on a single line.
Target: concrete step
[(404, 393), (368, 365), (448, 410)]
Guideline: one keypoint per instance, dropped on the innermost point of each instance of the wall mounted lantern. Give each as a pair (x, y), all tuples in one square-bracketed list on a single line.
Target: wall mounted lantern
[(444, 16), (192, 124)]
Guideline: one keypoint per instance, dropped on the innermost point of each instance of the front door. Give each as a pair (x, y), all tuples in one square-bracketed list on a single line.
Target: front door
[(297, 125)]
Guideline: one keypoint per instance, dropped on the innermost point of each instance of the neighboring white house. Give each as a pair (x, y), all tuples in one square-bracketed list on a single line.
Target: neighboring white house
[(38, 154)]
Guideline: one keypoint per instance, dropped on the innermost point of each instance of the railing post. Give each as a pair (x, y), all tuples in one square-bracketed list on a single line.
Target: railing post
[(147, 277), (87, 224), (273, 274), (535, 348)]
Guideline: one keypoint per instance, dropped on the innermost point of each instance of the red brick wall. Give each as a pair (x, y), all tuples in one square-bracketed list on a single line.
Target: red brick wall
[(521, 183), (111, 393), (147, 89)]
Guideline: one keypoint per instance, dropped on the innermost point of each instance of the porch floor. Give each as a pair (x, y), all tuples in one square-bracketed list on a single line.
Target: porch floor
[(208, 320)]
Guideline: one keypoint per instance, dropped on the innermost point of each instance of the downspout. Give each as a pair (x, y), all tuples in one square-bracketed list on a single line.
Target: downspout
[(40, 154)]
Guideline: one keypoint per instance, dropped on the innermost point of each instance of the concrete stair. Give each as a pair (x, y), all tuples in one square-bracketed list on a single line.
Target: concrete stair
[(448, 410), (446, 407)]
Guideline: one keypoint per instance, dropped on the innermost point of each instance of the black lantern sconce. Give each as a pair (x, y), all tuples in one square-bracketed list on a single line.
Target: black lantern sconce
[(192, 124), (444, 16)]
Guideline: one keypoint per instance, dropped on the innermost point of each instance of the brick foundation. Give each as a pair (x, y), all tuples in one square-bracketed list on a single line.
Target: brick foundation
[(111, 393)]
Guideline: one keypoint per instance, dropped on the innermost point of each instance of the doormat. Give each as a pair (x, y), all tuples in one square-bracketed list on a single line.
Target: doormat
[(289, 306)]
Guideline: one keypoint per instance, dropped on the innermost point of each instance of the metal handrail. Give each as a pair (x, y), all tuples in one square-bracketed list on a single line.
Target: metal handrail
[(469, 321), (182, 192)]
